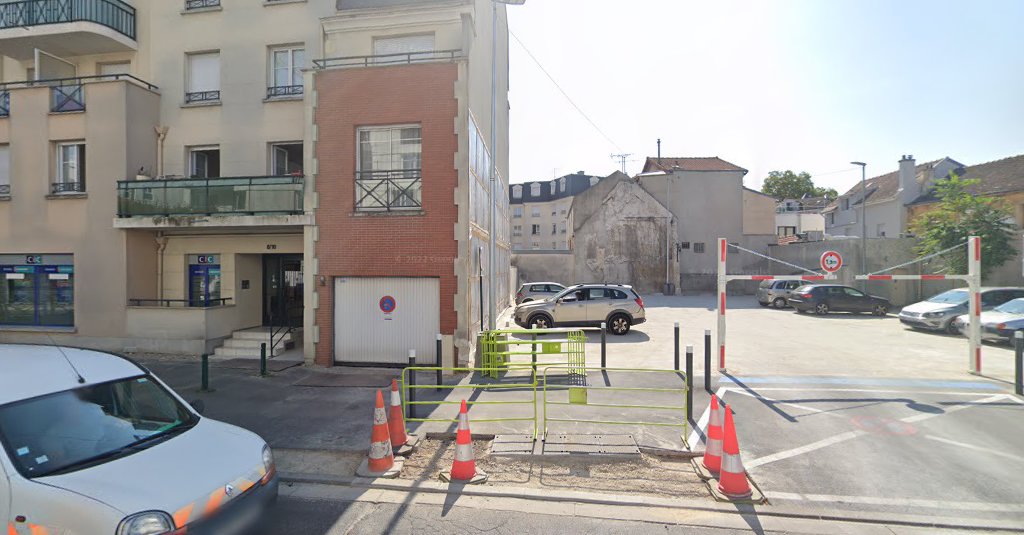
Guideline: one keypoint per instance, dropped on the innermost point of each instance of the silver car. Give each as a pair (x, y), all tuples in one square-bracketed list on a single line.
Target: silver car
[(998, 324), (938, 312), (585, 305), (537, 291), (775, 293)]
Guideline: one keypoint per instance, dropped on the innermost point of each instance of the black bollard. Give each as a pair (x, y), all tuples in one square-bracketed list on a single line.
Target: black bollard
[(411, 377), (205, 378), (707, 360), (604, 351), (437, 362), (689, 382), (263, 359), (676, 351), (1018, 346)]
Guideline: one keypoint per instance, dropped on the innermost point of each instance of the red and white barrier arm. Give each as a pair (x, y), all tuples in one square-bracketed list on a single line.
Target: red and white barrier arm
[(912, 277)]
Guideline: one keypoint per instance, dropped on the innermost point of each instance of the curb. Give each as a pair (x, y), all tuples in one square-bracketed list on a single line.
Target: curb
[(780, 511)]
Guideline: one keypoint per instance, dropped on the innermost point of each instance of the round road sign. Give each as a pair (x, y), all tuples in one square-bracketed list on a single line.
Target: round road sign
[(387, 304), (831, 261)]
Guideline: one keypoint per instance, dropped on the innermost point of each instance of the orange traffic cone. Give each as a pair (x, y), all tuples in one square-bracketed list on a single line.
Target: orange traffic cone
[(464, 466), (402, 443), (733, 480), (381, 461), (713, 451)]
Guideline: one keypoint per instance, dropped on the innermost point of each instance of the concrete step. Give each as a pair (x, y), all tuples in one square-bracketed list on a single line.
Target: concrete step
[(264, 335), (233, 352), (247, 343)]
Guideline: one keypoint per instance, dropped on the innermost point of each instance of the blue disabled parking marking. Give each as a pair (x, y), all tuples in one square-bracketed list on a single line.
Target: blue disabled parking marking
[(855, 381)]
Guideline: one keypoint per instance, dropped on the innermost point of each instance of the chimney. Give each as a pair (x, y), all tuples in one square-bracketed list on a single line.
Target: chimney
[(579, 172), (659, 151), (910, 188)]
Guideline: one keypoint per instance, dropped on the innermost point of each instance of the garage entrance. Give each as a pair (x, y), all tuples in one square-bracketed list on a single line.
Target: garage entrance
[(377, 320)]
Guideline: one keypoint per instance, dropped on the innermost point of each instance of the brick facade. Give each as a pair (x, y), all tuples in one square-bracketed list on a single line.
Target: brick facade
[(354, 244)]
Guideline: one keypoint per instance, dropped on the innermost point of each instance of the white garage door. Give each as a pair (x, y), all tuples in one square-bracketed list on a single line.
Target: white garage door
[(378, 320)]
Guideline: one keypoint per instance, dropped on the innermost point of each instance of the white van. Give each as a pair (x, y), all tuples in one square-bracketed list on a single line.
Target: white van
[(93, 443)]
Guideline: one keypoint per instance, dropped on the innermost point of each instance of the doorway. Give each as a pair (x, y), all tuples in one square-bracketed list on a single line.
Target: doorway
[(282, 290)]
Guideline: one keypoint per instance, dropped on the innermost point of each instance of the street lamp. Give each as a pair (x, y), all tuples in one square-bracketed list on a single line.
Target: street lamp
[(863, 220), (492, 290)]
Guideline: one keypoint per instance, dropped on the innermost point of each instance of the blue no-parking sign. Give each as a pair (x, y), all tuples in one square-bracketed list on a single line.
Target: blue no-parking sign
[(387, 304)]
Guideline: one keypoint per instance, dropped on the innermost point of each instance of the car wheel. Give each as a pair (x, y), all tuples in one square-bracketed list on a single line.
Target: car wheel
[(619, 324), (821, 309), (779, 303), (540, 321), (881, 310), (951, 328)]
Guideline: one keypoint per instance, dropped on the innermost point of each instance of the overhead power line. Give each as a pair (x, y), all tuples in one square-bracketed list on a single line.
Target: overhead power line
[(566, 95)]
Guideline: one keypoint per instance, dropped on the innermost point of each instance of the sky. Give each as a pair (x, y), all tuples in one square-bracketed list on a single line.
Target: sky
[(807, 85)]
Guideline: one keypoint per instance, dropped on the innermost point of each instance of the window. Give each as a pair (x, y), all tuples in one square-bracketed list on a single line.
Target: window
[(535, 230), (684, 245), (698, 248), (563, 211), (536, 212), (553, 212), (517, 192), (535, 190), (553, 186), (561, 184), (403, 49), (831, 218), (597, 294), (204, 278), (286, 64), (554, 245), (70, 168), (204, 162), (37, 289), (846, 203), (554, 228), (517, 211), (389, 162), (110, 69), (593, 180), (517, 230), (852, 293), (203, 78), (5, 170), (787, 231), (880, 230), (535, 245), (286, 159), (562, 227)]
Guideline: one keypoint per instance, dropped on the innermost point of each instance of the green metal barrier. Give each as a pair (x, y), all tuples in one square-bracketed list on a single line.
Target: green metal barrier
[(406, 387), (578, 395), (498, 347)]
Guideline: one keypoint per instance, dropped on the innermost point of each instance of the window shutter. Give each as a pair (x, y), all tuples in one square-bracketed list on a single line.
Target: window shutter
[(403, 45), (5, 166), (204, 73)]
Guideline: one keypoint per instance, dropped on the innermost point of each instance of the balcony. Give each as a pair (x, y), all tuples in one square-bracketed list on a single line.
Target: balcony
[(379, 60), (66, 27), (66, 94), (211, 202), (389, 191)]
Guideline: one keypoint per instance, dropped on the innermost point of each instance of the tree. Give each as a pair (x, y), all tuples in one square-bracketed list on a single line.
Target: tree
[(959, 215), (790, 185)]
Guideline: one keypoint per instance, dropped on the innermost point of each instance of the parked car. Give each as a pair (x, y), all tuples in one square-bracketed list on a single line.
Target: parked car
[(938, 312), (95, 443), (998, 324), (824, 298), (585, 305), (535, 291), (775, 293)]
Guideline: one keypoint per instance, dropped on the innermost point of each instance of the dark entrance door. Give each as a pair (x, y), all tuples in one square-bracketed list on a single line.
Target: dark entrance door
[(282, 290)]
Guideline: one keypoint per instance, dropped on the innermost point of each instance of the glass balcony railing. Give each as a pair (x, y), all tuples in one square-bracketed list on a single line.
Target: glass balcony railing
[(114, 14), (210, 196)]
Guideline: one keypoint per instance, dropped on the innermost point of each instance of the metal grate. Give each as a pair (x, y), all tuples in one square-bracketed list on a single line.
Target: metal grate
[(202, 96), (284, 91), (200, 4), (113, 14), (65, 98), (398, 189)]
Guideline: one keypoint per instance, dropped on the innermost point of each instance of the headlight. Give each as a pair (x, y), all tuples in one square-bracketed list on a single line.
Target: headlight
[(933, 314), (268, 465), (147, 523)]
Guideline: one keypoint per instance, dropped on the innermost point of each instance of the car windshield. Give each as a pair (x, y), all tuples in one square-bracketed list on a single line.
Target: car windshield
[(71, 430), (1015, 306), (766, 284), (952, 297)]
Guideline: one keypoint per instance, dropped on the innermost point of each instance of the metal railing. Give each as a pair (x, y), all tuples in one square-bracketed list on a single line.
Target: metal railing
[(284, 91), (179, 303), (391, 190), (77, 80), (210, 196), (5, 103), (67, 187), (202, 96), (500, 352), (200, 4), (67, 98), (376, 60), (113, 14)]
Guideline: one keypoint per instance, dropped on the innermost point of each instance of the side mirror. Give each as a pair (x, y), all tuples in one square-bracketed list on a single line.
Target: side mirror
[(198, 405)]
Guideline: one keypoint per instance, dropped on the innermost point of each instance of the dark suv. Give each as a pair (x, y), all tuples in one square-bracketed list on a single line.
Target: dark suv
[(824, 298)]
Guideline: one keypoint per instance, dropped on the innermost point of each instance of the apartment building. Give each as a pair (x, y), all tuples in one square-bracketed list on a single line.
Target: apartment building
[(156, 190), (540, 211)]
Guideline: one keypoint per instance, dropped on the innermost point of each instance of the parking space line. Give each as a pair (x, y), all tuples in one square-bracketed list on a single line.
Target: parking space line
[(901, 502), (698, 433), (866, 390), (843, 437), (975, 448)]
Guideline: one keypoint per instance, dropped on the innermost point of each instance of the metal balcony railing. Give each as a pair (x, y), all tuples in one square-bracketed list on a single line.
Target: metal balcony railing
[(387, 191), (65, 98), (210, 196), (5, 103), (406, 58), (284, 91), (200, 4), (67, 187), (113, 14), (202, 96), (66, 94)]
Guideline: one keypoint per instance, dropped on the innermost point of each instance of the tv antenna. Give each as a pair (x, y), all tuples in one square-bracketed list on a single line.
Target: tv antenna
[(622, 158)]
